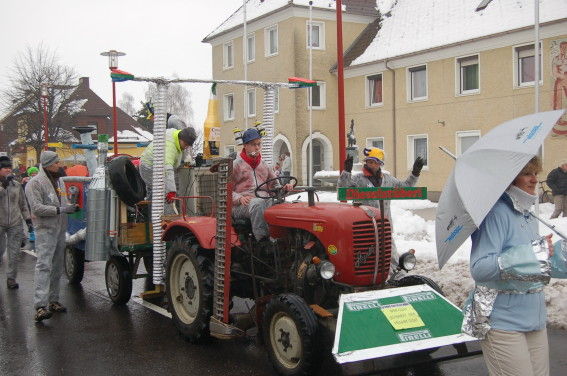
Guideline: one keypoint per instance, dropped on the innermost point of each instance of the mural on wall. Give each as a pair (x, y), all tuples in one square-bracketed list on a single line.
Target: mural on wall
[(559, 74)]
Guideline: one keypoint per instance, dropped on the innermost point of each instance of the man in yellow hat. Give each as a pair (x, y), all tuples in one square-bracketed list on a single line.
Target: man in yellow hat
[(373, 176)]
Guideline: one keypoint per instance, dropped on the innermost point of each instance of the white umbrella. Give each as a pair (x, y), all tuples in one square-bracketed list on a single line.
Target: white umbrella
[(482, 174)]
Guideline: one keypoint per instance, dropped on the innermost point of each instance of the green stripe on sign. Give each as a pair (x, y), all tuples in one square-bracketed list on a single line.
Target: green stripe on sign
[(366, 327), (382, 193)]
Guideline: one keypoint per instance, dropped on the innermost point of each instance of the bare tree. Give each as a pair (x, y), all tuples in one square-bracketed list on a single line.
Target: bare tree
[(127, 103), (31, 69), (179, 101)]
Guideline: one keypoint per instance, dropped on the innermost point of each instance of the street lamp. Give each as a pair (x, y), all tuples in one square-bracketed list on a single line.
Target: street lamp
[(113, 64), (44, 95)]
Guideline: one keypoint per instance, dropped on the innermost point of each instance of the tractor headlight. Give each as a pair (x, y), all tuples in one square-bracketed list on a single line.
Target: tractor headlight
[(407, 261), (326, 269)]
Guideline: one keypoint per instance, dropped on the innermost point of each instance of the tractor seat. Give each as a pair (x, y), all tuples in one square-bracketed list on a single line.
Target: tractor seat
[(242, 225)]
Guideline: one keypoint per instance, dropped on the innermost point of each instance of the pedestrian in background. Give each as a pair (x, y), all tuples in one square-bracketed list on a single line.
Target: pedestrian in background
[(49, 207), (557, 181), (373, 176), (506, 309), (285, 166), (13, 209)]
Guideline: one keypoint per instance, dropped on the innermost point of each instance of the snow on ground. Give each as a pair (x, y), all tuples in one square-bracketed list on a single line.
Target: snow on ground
[(411, 231)]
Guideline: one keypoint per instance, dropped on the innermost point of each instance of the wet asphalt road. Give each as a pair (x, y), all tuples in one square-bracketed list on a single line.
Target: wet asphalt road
[(96, 338)]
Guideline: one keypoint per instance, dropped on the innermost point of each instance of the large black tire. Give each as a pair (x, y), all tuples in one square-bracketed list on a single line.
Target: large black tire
[(413, 280), (74, 265), (291, 336), (126, 180), (118, 279), (189, 286)]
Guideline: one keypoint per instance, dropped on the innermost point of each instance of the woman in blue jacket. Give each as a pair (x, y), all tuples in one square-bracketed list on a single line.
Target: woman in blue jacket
[(507, 308)]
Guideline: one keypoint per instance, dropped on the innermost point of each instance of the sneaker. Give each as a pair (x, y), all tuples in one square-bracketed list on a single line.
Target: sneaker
[(57, 307), (42, 314), (12, 284)]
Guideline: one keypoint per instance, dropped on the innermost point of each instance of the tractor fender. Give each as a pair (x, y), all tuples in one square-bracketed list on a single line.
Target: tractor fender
[(203, 228)]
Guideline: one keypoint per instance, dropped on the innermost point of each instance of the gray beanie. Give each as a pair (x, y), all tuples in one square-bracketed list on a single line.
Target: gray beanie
[(48, 157), (188, 135)]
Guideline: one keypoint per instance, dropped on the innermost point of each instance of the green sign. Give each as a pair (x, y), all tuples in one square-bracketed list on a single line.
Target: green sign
[(382, 193), (379, 323)]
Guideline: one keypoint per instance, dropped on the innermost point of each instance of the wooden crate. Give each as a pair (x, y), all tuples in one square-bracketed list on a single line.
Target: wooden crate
[(135, 234)]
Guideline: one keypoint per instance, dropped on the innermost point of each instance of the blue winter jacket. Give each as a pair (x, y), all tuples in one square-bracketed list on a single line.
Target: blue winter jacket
[(505, 227)]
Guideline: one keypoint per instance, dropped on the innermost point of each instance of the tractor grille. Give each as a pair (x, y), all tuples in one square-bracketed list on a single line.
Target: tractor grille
[(364, 248)]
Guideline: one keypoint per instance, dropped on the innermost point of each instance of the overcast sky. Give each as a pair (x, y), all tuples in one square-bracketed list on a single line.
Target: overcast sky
[(160, 38)]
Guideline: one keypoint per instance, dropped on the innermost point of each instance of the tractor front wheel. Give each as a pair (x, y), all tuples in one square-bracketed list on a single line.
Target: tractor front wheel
[(290, 332), (189, 285)]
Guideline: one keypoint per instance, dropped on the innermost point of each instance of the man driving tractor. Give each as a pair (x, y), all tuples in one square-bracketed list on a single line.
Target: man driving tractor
[(249, 172)]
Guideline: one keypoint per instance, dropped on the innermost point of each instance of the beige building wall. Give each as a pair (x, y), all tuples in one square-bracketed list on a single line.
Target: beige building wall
[(445, 112), (292, 119)]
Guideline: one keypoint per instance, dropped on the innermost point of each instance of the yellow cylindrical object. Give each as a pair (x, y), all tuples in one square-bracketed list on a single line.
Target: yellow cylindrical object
[(212, 130)]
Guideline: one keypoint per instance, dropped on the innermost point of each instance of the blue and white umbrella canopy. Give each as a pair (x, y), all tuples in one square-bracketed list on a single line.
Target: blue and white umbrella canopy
[(482, 174)]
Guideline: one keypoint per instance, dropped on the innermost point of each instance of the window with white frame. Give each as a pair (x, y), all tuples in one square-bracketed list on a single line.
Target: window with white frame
[(375, 142), (228, 55), (251, 48), (277, 100), (251, 99), (316, 39), (271, 40), (228, 149), (374, 90), (468, 76), (228, 107), (524, 57), (465, 139), (417, 147), (417, 79), (317, 101)]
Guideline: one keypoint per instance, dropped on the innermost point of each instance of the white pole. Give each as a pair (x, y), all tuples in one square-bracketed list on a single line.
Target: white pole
[(310, 39), (245, 64), (536, 78), (536, 52)]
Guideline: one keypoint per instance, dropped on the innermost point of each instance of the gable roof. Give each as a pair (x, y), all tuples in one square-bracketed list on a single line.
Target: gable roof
[(256, 9), (410, 26)]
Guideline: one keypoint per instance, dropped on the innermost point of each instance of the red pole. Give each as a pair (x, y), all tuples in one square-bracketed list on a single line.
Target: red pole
[(114, 121), (45, 127), (341, 84)]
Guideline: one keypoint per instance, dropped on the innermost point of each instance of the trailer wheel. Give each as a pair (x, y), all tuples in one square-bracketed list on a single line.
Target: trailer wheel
[(126, 180), (290, 332), (118, 279), (74, 264), (189, 286)]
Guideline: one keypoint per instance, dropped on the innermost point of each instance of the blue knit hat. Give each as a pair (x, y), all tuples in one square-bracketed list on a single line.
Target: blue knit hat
[(250, 134)]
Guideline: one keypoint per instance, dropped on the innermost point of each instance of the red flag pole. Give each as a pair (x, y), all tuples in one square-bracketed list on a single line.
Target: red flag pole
[(341, 84)]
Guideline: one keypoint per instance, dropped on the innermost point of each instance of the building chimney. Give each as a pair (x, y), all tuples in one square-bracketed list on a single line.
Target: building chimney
[(84, 81)]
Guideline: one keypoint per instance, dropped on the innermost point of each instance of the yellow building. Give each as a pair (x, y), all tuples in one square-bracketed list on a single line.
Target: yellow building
[(419, 75)]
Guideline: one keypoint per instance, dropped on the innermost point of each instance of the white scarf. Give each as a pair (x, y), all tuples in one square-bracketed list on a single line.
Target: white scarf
[(522, 200)]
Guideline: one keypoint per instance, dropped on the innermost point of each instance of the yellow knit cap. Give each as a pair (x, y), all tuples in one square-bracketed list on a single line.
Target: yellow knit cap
[(375, 154)]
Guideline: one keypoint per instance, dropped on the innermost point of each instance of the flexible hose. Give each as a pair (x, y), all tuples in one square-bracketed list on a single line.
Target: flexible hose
[(158, 183), (268, 124)]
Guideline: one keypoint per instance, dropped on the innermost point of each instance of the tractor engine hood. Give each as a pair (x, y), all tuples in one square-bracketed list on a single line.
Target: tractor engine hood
[(349, 234)]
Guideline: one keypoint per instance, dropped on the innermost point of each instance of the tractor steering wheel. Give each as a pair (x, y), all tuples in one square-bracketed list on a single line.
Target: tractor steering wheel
[(275, 192)]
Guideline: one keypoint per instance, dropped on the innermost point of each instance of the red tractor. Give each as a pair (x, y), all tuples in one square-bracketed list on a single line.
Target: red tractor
[(320, 251)]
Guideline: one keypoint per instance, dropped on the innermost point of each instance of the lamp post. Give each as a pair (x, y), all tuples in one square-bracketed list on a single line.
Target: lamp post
[(113, 64), (44, 95)]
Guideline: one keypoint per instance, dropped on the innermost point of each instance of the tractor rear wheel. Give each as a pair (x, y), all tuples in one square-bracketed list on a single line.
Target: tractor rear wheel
[(189, 286), (290, 333)]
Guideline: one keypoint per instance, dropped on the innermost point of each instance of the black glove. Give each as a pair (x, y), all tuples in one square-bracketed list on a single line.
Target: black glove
[(348, 164), (28, 222), (69, 209), (417, 166)]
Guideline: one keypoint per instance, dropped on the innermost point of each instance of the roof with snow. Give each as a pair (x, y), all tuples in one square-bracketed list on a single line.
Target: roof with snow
[(410, 26), (256, 9)]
